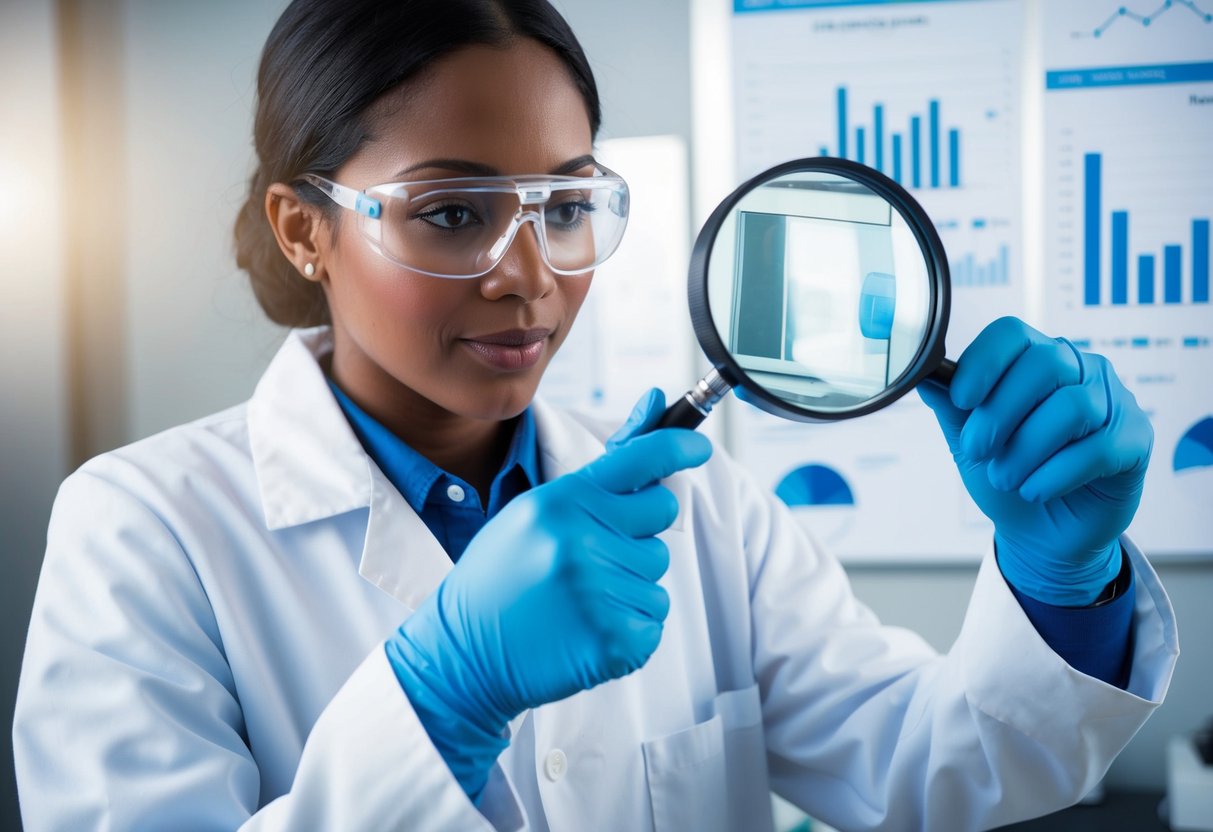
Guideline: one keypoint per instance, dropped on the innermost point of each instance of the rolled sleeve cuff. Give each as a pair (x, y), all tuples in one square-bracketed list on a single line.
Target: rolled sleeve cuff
[(1094, 640)]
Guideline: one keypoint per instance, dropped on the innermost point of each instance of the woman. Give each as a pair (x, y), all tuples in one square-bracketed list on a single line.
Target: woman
[(392, 591)]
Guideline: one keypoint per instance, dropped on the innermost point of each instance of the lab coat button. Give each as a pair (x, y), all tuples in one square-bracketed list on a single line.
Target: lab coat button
[(555, 765), (455, 492)]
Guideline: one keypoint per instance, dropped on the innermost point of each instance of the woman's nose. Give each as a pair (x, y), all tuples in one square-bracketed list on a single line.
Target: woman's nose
[(521, 271)]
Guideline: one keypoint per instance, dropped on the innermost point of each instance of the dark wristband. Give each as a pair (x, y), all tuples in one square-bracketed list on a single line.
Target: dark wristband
[(1118, 587)]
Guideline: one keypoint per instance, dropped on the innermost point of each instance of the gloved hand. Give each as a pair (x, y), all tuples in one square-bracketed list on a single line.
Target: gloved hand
[(556, 594), (1053, 449), (643, 418)]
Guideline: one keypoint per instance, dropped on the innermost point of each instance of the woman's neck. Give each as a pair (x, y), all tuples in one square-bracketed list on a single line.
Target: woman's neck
[(471, 449)]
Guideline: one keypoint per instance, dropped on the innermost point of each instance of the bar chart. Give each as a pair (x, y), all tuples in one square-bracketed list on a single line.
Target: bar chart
[(913, 155), (1128, 127), (972, 270), (1175, 274), (928, 94), (862, 85)]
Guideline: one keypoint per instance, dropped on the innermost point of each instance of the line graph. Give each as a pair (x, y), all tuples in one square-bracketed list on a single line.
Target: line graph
[(1144, 20)]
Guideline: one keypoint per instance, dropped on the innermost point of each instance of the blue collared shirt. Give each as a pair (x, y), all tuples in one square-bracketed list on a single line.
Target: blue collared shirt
[(451, 508)]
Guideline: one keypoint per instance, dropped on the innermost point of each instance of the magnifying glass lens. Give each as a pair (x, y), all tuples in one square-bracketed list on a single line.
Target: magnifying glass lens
[(819, 290)]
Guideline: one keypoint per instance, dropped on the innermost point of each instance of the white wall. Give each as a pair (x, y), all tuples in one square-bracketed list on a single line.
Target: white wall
[(33, 372), (196, 340)]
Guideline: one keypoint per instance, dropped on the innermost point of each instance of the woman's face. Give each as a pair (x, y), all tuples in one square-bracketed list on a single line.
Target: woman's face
[(408, 345)]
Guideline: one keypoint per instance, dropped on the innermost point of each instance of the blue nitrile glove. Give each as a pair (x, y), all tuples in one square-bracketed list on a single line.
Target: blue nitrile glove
[(556, 594), (643, 418), (1053, 449)]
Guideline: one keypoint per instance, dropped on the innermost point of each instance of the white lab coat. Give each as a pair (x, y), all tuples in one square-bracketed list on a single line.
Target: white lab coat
[(206, 653)]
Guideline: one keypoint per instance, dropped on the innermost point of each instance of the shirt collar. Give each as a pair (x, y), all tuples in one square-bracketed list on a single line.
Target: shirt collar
[(413, 475)]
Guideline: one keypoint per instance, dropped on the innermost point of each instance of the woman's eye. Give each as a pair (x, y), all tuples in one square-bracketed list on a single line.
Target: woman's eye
[(449, 216), (570, 213)]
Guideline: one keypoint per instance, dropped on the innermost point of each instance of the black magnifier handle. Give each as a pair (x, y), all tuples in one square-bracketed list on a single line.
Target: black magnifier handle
[(694, 407), (943, 373)]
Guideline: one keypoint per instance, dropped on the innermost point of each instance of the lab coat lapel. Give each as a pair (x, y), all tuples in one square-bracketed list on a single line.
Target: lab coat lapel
[(401, 556), (564, 445), (404, 559), (310, 466), (567, 443)]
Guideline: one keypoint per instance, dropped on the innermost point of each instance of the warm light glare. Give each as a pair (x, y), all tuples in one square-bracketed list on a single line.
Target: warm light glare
[(17, 194), (30, 160)]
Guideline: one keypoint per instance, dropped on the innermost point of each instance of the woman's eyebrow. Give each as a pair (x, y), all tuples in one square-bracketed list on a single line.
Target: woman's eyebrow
[(573, 165), (478, 169)]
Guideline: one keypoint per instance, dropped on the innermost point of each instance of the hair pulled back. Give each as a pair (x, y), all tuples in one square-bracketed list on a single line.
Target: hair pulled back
[(324, 65)]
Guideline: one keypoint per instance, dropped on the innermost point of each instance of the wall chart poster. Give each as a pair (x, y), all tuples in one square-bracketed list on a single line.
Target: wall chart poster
[(944, 96)]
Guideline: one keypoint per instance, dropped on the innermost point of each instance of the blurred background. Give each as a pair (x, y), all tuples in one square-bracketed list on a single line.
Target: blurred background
[(125, 149)]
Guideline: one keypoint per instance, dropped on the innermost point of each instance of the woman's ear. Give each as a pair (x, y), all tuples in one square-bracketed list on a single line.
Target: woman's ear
[(296, 226)]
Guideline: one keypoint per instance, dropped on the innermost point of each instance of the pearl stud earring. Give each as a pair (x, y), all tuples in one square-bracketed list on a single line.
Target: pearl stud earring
[(309, 269)]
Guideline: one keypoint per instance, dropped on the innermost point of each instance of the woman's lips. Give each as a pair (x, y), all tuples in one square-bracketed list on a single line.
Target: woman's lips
[(514, 349)]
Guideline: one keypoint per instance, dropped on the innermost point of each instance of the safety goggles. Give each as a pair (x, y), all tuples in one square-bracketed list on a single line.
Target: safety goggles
[(461, 228)]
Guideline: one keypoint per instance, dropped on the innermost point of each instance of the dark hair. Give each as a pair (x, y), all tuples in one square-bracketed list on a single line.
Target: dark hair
[(325, 64)]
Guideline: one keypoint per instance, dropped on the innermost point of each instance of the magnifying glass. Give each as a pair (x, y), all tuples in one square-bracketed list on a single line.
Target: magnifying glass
[(820, 291)]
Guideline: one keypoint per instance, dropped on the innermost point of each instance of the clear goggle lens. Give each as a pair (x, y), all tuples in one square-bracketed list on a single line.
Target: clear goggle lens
[(463, 227)]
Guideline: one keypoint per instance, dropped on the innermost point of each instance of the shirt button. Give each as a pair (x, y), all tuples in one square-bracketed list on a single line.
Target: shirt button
[(555, 765), (455, 493)]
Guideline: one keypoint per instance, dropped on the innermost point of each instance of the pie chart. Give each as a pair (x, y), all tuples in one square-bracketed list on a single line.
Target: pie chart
[(1195, 448), (814, 485)]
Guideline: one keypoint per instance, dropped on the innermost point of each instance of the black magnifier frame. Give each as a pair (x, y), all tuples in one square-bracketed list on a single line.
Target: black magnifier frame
[(928, 362)]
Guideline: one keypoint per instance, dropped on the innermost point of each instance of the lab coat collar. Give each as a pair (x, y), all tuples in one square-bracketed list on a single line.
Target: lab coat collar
[(564, 444), (310, 465)]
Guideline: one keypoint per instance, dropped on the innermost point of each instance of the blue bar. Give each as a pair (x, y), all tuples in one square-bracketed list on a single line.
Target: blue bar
[(842, 123), (1139, 342), (1145, 278), (1120, 257), (1004, 256), (1128, 76), (979, 222), (1200, 261), (823, 151), (1091, 209), (1171, 287), (915, 152), (859, 145), (897, 162), (954, 163), (878, 130), (934, 129)]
